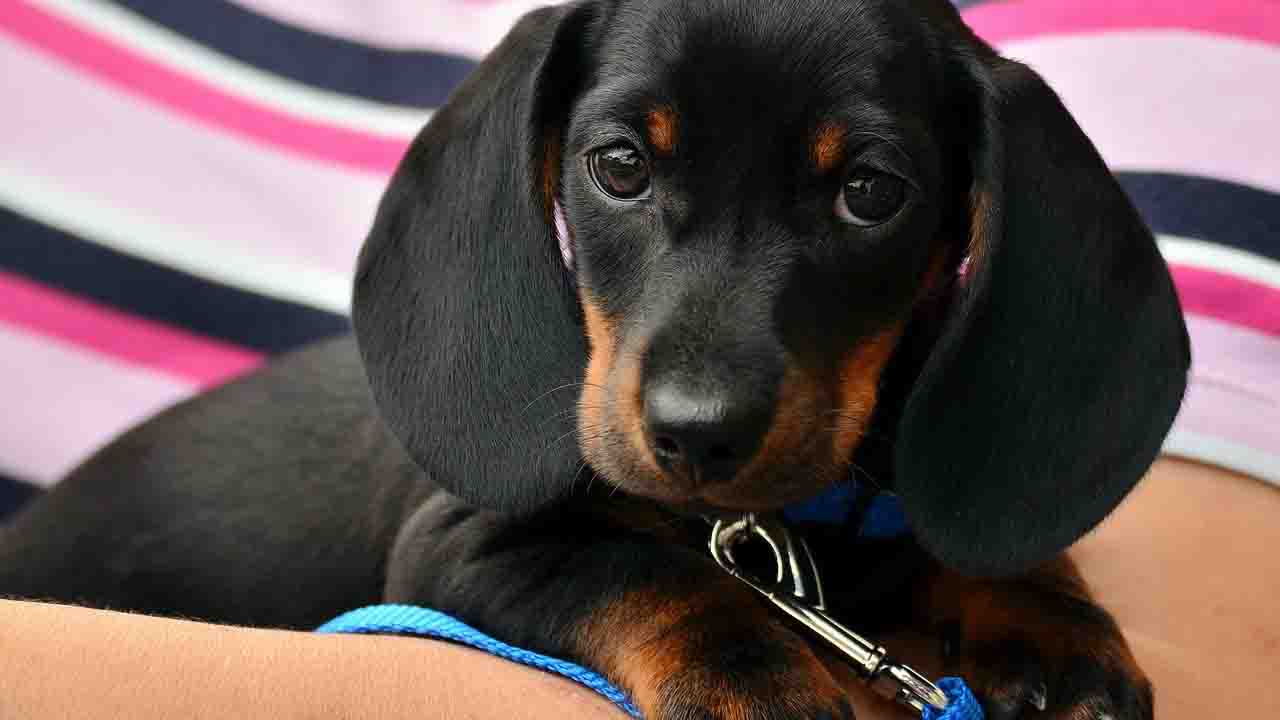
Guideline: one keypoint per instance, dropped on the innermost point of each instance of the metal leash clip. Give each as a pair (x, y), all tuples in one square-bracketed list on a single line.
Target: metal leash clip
[(796, 589)]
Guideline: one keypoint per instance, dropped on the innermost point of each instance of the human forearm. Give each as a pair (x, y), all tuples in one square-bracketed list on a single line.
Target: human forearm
[(58, 661)]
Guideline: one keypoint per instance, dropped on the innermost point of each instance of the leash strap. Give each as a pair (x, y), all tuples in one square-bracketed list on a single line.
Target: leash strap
[(410, 620), (962, 705)]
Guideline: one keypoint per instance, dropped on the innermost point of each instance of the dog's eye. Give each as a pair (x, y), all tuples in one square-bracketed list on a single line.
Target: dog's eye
[(870, 197), (621, 172)]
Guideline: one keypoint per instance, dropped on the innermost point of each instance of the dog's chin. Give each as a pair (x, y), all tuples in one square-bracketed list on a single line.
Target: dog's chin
[(800, 474), (730, 498)]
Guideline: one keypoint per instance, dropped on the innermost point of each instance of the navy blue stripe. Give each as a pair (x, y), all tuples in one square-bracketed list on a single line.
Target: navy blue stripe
[(13, 495), (1212, 210), (416, 78), (156, 292), (1225, 213)]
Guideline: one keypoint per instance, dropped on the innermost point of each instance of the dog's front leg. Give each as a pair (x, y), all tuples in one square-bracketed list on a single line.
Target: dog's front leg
[(658, 618), (1036, 645)]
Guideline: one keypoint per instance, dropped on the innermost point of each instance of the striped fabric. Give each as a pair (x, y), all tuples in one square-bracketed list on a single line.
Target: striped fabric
[(184, 187)]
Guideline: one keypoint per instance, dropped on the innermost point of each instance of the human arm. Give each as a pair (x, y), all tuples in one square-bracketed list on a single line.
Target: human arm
[(59, 661)]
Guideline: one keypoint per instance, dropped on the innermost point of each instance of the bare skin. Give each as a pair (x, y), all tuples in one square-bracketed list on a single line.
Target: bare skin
[(1187, 565), (70, 662)]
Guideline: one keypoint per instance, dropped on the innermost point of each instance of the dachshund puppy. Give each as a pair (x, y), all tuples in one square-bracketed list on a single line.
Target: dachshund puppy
[(799, 237)]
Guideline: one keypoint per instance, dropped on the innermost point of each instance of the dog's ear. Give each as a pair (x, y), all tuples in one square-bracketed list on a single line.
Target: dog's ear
[(464, 311), (1064, 360)]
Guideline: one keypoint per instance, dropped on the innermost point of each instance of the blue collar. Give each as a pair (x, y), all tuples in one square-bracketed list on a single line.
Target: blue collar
[(883, 516)]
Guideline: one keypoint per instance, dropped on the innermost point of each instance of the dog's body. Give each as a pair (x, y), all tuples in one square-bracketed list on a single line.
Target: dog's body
[(767, 208)]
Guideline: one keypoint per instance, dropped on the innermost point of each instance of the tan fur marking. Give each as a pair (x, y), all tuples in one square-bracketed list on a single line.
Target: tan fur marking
[(550, 176), (859, 387), (629, 404), (980, 216), (662, 126), (792, 422), (655, 641), (593, 399), (607, 413), (633, 641), (828, 146)]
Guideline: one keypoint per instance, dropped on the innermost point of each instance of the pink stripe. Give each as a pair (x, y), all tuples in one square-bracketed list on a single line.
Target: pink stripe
[(64, 402), (195, 98), (1145, 100), (1228, 298), (133, 340), (164, 170), (1000, 22), (1235, 385)]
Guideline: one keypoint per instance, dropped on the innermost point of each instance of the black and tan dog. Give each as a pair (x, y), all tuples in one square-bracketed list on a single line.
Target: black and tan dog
[(802, 236)]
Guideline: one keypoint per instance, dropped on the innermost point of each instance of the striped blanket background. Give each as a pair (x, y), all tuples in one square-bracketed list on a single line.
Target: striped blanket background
[(184, 187)]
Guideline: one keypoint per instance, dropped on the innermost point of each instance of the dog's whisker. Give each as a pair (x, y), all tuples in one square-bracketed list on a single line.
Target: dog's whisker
[(582, 465), (560, 388), (872, 479), (567, 412)]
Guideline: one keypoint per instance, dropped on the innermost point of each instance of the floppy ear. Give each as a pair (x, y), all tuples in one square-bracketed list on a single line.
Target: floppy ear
[(1064, 360), (464, 311)]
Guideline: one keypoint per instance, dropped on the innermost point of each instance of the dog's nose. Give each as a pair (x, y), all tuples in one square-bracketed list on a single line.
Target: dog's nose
[(703, 438)]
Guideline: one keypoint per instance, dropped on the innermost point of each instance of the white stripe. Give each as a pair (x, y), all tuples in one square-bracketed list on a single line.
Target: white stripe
[(1224, 453), (167, 48), (173, 246), (460, 26), (1209, 256)]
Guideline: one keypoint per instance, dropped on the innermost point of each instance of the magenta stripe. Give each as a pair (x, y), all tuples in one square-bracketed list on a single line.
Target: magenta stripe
[(1234, 392), (196, 98), (1001, 22), (64, 402), (1229, 298), (125, 338)]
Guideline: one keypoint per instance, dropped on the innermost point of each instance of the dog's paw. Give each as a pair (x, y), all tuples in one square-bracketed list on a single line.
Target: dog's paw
[(708, 694), (753, 675), (1077, 672)]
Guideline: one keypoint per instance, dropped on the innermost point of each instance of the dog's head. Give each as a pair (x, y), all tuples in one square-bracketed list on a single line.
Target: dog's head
[(764, 205)]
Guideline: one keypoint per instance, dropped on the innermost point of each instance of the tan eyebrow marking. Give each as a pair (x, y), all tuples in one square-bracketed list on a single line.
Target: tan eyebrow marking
[(828, 146), (661, 123)]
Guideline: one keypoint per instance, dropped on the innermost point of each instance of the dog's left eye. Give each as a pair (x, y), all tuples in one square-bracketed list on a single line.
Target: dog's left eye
[(870, 197), (620, 171)]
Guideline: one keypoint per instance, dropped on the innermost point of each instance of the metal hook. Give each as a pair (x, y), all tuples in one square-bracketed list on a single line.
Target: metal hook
[(796, 589)]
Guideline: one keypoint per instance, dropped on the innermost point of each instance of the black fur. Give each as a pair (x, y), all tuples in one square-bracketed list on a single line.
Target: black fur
[(463, 308), (1019, 407), (1064, 364)]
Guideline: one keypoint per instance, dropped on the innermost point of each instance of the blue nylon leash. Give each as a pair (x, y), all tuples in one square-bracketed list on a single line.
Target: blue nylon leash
[(410, 620)]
